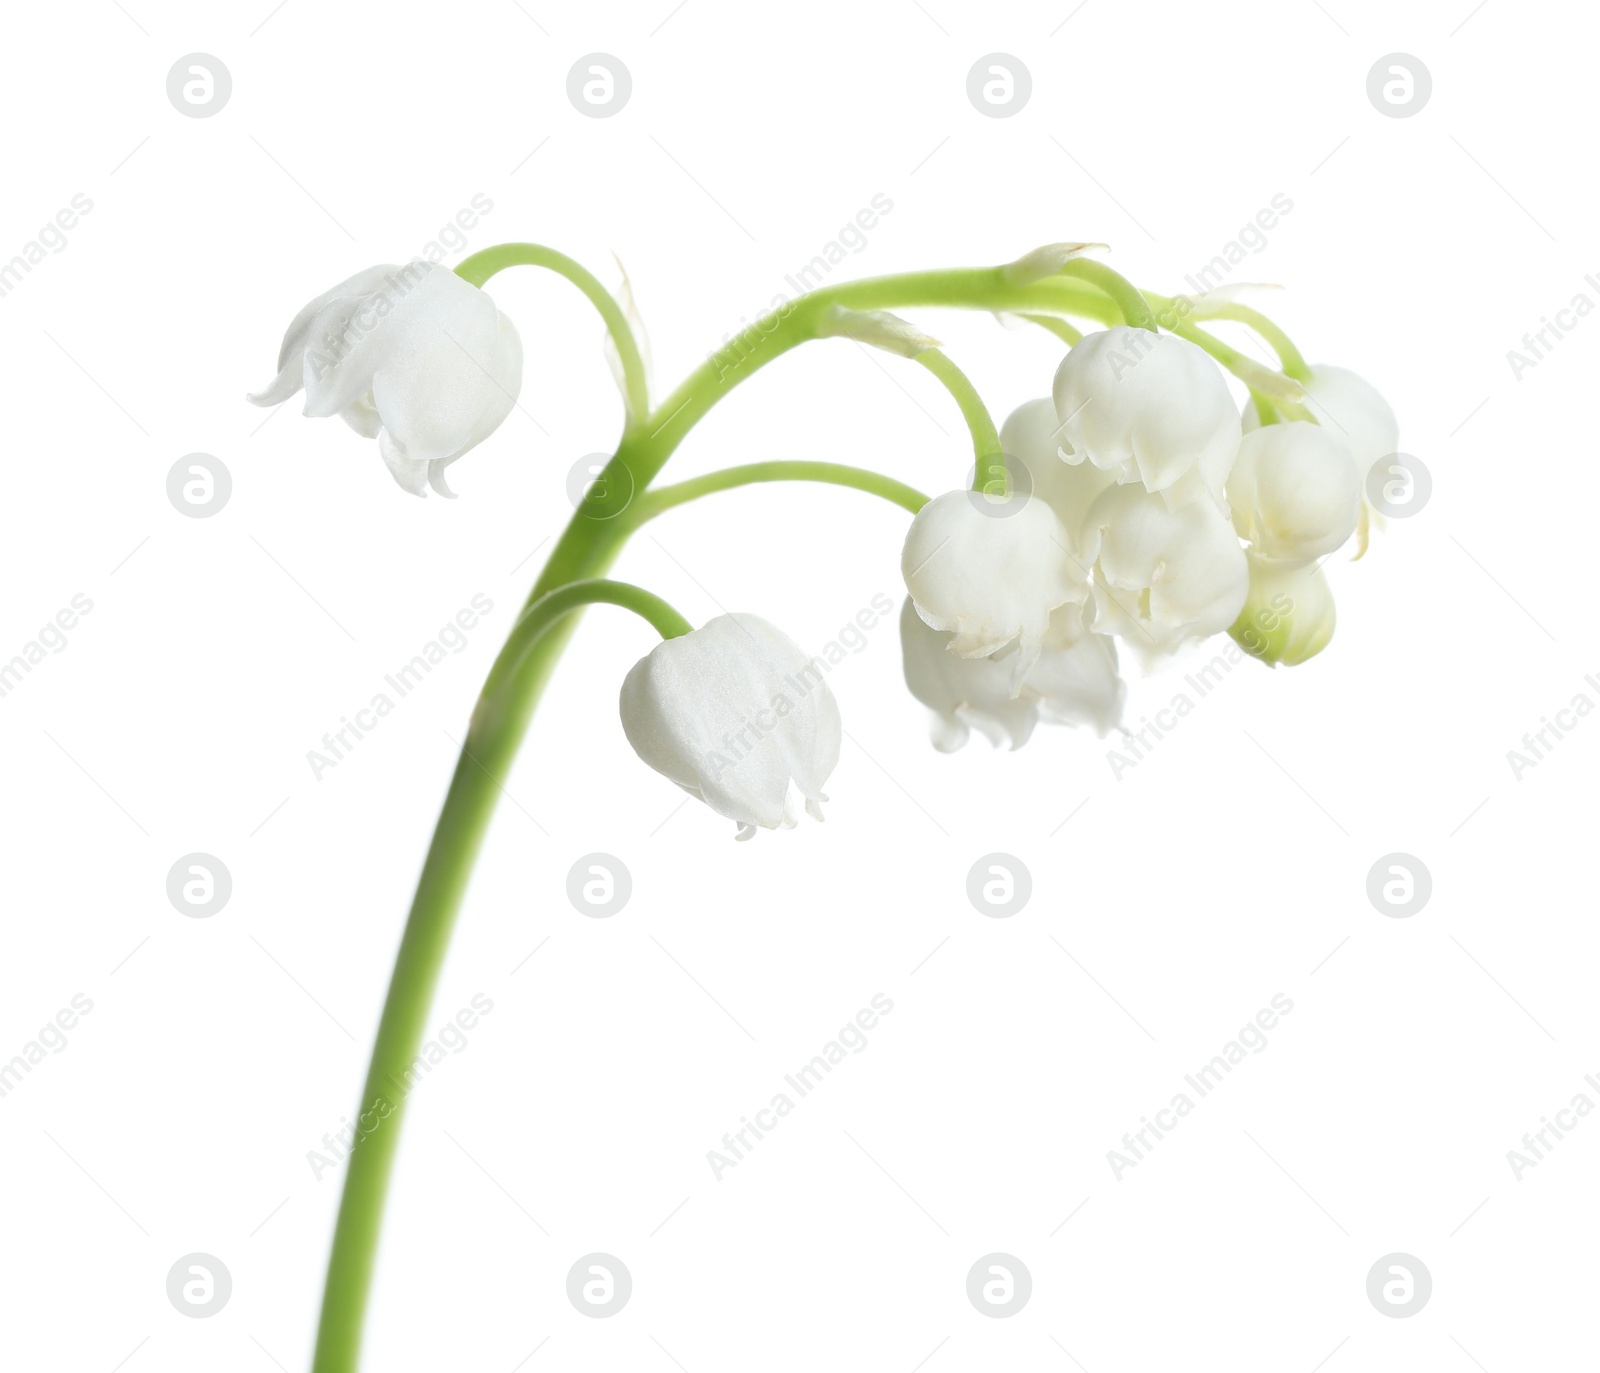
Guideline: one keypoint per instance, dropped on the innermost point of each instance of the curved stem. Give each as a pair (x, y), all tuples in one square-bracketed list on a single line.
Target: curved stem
[(482, 265), (1057, 326), (989, 470), (663, 498), (1135, 308), (1280, 392), (1289, 357), (501, 718)]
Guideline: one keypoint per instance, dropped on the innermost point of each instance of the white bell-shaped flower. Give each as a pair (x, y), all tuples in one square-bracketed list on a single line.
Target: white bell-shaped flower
[(412, 356), (1151, 408), (1288, 615), (1162, 575), (1294, 491), (740, 717), (1032, 436), (990, 573), (964, 694), (1075, 681), (1351, 408)]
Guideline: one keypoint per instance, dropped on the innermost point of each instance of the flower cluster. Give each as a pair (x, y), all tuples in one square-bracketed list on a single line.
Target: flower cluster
[(1142, 512), (1144, 509)]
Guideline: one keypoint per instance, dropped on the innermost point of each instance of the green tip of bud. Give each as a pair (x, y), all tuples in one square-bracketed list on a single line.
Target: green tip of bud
[(1288, 615)]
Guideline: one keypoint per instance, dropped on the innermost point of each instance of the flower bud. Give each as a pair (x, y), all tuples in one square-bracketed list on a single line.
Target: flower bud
[(1294, 491), (1288, 615), (738, 716), (1351, 408)]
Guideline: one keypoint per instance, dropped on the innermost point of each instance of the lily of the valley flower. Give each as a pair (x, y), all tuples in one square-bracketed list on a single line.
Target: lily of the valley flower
[(1162, 575), (964, 694), (991, 575), (1074, 682), (1294, 491), (1031, 436), (1150, 408), (739, 716), (1288, 615), (412, 356), (1351, 408)]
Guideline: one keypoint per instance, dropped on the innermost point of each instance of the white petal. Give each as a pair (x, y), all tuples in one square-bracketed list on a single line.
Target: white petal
[(288, 379), (990, 575), (1295, 491), (963, 693), (1163, 575), (1076, 680), (1154, 404), (736, 714), (362, 416), (1352, 408), (1032, 435), (410, 473)]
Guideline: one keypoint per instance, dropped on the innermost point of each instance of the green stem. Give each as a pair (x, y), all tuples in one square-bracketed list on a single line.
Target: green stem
[(1289, 357), (504, 708), (663, 498), (1261, 379), (989, 463), (1135, 308), (1057, 326), (482, 265)]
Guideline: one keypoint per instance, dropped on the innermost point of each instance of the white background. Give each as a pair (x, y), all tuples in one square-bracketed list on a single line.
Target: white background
[(1228, 867)]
